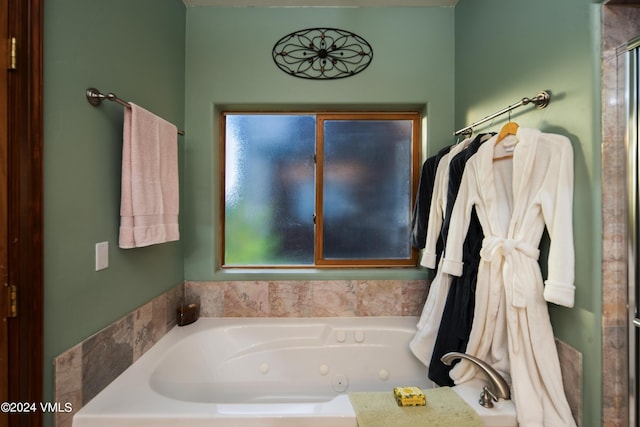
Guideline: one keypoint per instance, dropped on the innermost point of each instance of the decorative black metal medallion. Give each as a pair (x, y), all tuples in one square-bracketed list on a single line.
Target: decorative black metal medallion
[(322, 54)]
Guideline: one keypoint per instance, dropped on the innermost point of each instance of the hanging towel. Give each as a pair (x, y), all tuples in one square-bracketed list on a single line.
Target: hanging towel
[(149, 199)]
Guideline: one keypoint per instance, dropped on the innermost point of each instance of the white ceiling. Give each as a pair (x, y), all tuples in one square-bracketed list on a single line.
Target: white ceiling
[(321, 3)]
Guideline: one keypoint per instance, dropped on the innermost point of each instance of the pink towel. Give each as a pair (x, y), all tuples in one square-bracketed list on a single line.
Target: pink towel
[(149, 200)]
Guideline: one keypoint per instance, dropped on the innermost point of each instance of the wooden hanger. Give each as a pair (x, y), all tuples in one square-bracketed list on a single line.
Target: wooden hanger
[(511, 128)]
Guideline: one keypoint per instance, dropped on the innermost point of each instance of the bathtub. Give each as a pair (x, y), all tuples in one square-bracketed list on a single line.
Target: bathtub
[(275, 372)]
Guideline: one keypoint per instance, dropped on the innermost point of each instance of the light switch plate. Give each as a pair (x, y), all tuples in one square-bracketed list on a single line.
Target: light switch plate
[(102, 255)]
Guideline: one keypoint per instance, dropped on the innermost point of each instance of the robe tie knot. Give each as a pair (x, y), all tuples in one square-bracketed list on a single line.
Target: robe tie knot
[(510, 251)]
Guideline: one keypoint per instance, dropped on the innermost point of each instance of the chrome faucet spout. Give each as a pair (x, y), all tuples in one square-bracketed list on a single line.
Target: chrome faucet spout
[(497, 384)]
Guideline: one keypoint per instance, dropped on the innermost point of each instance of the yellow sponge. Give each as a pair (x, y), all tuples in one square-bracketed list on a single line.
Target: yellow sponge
[(409, 396)]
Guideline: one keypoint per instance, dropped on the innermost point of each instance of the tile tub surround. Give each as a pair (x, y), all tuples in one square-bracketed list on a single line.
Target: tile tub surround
[(331, 298), (117, 346), (571, 366), (113, 349), (84, 370)]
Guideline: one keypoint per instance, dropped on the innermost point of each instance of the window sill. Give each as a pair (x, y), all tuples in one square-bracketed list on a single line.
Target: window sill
[(411, 273)]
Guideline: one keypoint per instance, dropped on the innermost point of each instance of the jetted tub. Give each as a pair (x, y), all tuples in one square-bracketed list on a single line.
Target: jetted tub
[(276, 372)]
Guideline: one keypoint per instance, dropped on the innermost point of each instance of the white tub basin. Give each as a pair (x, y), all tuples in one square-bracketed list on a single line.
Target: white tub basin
[(257, 372)]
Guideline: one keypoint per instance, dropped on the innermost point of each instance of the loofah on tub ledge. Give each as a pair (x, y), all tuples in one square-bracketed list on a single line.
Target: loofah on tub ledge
[(444, 408)]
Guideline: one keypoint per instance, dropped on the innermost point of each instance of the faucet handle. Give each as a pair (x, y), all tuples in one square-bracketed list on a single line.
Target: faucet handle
[(487, 398)]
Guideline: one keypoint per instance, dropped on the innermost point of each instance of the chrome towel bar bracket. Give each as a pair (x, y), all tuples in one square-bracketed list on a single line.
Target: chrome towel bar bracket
[(95, 98)]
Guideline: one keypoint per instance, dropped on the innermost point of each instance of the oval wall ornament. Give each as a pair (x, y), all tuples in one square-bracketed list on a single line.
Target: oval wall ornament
[(322, 54)]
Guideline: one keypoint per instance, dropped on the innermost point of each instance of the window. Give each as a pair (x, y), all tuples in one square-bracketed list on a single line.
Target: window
[(319, 190)]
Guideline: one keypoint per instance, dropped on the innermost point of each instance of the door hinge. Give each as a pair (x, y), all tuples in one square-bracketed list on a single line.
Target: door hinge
[(12, 292), (13, 47)]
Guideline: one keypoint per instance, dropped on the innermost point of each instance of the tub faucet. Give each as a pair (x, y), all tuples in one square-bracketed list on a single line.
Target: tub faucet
[(498, 387)]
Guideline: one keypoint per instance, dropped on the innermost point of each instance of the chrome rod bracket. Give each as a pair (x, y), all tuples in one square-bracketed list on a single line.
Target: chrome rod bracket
[(94, 96), (541, 100)]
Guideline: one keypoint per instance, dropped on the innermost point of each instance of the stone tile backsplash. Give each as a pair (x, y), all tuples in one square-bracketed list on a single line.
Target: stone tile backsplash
[(332, 298), (84, 370)]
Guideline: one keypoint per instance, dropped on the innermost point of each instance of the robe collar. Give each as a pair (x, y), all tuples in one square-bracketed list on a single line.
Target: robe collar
[(523, 161)]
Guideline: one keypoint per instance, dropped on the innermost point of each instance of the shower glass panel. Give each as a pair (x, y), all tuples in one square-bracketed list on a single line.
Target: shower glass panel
[(631, 89)]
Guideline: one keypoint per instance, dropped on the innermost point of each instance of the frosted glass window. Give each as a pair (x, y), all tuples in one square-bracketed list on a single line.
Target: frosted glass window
[(319, 189), (366, 189), (269, 189)]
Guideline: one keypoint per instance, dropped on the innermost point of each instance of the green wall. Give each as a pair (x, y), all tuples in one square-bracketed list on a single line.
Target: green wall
[(506, 50), (455, 65), (229, 65), (135, 49)]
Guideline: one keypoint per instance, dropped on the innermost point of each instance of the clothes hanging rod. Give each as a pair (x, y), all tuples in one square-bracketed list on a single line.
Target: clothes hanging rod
[(541, 100), (95, 98)]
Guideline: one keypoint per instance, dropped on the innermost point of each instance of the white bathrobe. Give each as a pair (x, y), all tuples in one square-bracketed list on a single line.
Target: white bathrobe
[(515, 198), (424, 340)]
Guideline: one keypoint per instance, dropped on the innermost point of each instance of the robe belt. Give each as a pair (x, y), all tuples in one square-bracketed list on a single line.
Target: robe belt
[(510, 250)]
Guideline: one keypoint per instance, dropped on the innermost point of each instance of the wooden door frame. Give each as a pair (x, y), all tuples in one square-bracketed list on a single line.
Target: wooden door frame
[(4, 252), (25, 208)]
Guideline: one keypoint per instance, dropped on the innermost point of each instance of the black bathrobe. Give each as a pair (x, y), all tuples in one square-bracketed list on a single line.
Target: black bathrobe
[(420, 217)]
